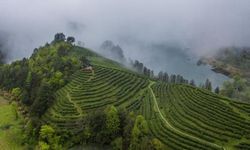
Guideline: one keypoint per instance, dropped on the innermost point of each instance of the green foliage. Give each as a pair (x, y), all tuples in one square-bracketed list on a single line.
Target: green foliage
[(35, 80), (117, 144), (63, 51), (14, 75), (42, 101), (236, 88), (56, 81), (43, 146), (16, 92), (112, 120), (48, 139), (46, 133), (141, 125), (157, 144), (139, 135)]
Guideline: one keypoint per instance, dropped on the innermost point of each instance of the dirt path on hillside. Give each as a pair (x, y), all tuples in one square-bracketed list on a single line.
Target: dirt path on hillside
[(78, 108), (172, 127), (91, 77)]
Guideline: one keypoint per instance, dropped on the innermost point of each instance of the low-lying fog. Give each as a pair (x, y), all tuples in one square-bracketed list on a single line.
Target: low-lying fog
[(175, 60), (166, 35)]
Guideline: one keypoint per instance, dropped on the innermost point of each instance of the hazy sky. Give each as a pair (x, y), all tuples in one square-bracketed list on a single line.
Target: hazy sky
[(199, 25)]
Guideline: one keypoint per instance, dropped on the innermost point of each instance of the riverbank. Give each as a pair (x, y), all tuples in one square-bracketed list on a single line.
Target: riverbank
[(220, 67)]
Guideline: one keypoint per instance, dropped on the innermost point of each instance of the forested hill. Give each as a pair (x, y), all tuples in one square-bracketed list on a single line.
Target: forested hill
[(49, 68), (71, 96)]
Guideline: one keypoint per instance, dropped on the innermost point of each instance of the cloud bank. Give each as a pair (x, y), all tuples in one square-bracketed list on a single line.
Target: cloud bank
[(197, 26)]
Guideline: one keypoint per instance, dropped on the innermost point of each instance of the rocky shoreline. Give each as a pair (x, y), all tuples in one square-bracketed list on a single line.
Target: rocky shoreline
[(222, 71), (219, 67)]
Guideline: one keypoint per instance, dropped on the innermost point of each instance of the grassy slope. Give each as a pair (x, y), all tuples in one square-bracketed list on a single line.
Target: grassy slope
[(97, 59), (10, 127)]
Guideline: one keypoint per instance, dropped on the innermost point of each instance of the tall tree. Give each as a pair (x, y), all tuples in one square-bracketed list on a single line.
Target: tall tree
[(59, 37), (112, 121), (70, 39), (208, 85), (160, 75), (165, 77), (48, 140), (217, 90), (43, 99), (139, 134), (173, 78), (192, 82)]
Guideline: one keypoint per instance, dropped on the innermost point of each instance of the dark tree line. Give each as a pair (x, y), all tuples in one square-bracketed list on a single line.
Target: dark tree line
[(164, 77), (171, 78), (178, 79), (140, 68), (59, 37)]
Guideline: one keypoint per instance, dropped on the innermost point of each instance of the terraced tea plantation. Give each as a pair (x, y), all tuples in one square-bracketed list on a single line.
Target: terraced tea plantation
[(90, 90), (192, 118), (180, 116)]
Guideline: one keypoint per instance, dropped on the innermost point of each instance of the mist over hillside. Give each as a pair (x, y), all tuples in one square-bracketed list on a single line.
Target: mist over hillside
[(201, 26), (125, 74)]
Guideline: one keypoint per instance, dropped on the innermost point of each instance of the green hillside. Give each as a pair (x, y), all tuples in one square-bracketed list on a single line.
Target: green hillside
[(10, 126), (90, 90), (53, 89), (199, 119), (181, 116)]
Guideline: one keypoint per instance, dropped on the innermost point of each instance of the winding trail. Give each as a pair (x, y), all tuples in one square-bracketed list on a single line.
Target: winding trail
[(175, 129), (91, 77), (78, 109)]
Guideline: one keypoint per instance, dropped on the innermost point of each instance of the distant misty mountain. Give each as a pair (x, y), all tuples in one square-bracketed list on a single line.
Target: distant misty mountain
[(112, 51)]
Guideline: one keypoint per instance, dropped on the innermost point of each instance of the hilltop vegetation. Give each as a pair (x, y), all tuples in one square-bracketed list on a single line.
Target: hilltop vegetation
[(71, 96)]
